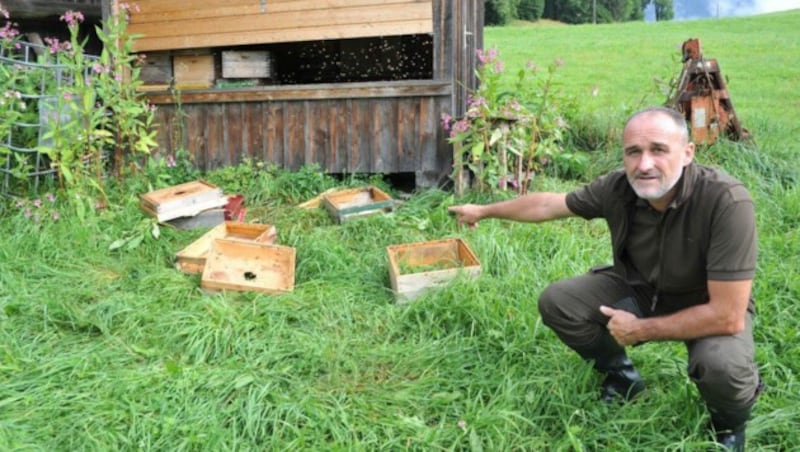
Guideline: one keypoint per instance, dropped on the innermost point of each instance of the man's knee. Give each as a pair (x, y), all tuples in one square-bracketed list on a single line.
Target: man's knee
[(550, 302), (724, 378)]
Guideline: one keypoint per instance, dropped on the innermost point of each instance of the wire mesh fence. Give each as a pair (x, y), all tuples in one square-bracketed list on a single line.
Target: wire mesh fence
[(34, 79)]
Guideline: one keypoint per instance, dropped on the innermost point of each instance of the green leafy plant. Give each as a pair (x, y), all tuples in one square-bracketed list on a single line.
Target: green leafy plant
[(506, 135), (86, 109)]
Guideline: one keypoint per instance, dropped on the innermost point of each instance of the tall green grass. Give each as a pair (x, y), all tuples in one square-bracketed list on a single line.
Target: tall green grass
[(119, 351)]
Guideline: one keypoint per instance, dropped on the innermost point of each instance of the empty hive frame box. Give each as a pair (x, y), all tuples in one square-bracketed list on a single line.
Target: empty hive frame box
[(416, 267), (192, 259), (356, 202), (183, 200), (248, 266)]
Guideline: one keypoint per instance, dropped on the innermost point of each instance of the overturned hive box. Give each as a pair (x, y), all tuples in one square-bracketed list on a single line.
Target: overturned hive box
[(192, 259), (415, 267), (248, 266), (183, 200), (356, 202)]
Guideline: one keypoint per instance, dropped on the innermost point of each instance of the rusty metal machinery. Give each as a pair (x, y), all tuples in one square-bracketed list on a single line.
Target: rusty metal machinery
[(702, 96)]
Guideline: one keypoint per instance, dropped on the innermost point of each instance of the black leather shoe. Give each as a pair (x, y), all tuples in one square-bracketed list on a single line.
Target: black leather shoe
[(621, 384), (732, 440)]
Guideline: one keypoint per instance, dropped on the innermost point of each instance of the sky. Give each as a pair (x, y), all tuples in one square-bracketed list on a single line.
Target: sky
[(695, 9)]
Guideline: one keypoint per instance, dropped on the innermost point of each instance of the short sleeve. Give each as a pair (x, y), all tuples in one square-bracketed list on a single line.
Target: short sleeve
[(733, 246), (587, 201)]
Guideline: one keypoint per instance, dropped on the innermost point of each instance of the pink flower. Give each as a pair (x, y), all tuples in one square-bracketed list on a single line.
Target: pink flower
[(482, 58), (37, 202), (498, 66), (72, 18), (170, 161), (460, 126), (446, 121), (50, 197), (56, 216)]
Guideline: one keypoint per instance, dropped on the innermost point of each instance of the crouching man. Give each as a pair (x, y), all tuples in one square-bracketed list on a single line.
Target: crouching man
[(684, 247)]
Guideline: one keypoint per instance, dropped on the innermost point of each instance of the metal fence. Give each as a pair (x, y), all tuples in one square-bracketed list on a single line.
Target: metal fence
[(40, 75)]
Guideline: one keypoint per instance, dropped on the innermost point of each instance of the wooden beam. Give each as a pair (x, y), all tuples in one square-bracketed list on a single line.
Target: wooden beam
[(308, 92)]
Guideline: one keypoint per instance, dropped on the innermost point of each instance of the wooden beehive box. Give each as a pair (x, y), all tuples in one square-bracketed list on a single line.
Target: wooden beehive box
[(415, 267), (356, 202), (156, 70), (193, 71), (248, 266), (192, 259), (183, 200), (246, 64)]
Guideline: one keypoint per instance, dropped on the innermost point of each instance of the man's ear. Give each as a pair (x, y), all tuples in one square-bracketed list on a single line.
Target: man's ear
[(688, 155)]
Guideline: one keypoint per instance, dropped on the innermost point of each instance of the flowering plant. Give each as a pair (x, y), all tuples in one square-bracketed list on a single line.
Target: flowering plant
[(39, 210), (506, 135), (84, 108)]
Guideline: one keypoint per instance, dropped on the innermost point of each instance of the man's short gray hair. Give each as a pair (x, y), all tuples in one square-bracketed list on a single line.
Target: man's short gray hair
[(675, 115)]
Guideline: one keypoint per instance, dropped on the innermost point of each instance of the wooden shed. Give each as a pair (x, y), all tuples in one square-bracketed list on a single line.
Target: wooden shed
[(355, 86)]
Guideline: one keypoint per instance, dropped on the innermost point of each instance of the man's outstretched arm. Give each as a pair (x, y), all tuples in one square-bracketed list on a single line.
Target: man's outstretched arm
[(533, 208)]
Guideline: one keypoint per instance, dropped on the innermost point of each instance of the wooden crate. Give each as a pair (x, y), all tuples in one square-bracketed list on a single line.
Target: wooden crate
[(183, 200), (346, 204), (248, 266), (246, 64), (192, 259), (415, 267), (193, 71), (156, 69)]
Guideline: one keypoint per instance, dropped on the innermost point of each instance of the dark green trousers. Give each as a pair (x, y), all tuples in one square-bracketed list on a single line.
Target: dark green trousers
[(722, 367)]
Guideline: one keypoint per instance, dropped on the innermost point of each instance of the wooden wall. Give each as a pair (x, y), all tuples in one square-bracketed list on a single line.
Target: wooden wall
[(366, 127), (392, 130), (183, 24)]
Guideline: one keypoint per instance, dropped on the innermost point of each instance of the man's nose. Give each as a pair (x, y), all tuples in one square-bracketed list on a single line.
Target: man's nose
[(645, 162)]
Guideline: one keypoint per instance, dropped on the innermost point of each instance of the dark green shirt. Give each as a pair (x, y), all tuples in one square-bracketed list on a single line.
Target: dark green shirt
[(707, 233)]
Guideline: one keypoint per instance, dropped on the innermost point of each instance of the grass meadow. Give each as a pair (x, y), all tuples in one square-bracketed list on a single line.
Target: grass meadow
[(117, 350)]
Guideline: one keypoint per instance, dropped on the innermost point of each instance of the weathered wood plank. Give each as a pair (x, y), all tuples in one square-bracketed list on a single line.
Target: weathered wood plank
[(179, 10), (294, 138), (266, 36), (275, 127), (215, 139), (384, 131), (232, 129), (252, 128), (358, 155), (318, 19), (407, 142)]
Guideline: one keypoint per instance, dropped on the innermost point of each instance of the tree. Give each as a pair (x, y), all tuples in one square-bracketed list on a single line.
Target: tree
[(530, 9), (499, 12), (665, 10), (569, 11)]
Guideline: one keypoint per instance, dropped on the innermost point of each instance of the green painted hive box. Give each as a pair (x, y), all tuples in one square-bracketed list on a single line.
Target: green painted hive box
[(356, 202)]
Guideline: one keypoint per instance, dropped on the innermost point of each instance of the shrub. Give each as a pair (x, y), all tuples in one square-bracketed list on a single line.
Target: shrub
[(507, 136)]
